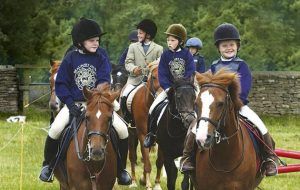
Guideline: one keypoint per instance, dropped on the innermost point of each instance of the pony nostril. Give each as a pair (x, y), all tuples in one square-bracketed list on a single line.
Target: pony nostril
[(209, 137), (98, 154)]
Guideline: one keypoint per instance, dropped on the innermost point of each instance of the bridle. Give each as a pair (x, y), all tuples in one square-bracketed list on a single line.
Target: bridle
[(219, 136), (179, 115), (89, 133), (183, 114)]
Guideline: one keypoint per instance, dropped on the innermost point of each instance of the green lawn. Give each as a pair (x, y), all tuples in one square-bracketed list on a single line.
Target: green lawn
[(17, 175)]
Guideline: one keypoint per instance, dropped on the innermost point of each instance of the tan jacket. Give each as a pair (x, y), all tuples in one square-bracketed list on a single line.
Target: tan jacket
[(137, 57)]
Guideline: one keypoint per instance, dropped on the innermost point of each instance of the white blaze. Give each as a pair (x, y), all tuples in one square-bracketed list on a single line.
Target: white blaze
[(207, 99)]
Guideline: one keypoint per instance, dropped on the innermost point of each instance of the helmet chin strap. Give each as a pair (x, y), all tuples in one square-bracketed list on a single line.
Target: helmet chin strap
[(180, 45)]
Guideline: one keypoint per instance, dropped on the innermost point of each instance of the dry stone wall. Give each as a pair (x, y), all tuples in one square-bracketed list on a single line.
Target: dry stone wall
[(275, 93), (8, 89)]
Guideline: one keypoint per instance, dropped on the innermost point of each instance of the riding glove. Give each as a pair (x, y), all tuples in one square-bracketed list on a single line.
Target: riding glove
[(74, 110)]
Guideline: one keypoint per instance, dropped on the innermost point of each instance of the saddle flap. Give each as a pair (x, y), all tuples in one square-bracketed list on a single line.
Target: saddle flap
[(67, 136), (255, 136), (130, 97)]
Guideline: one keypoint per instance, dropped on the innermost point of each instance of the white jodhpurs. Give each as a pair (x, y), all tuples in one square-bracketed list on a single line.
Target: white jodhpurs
[(120, 126), (62, 119), (254, 118), (116, 105), (163, 95)]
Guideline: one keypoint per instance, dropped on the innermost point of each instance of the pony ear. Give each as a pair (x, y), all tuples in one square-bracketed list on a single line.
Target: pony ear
[(87, 93)]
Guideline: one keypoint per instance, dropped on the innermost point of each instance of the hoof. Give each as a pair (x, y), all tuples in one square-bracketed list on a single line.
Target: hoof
[(133, 184), (157, 187)]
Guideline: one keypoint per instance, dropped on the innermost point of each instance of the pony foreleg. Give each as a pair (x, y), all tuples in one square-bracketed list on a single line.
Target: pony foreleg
[(133, 142), (147, 166), (171, 173), (159, 165)]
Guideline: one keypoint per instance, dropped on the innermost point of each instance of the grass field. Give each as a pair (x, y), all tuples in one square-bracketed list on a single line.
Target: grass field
[(15, 174)]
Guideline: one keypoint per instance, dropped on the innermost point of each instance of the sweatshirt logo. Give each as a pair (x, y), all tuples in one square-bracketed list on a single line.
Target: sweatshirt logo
[(177, 67), (85, 75)]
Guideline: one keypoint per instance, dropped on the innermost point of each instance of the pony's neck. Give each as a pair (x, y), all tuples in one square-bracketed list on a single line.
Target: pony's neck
[(150, 92), (233, 147)]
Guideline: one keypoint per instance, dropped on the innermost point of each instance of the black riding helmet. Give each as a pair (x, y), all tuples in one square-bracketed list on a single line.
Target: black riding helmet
[(148, 26), (85, 29), (226, 31)]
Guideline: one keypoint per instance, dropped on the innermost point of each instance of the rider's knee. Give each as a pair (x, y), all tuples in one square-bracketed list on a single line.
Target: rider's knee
[(120, 126), (54, 133)]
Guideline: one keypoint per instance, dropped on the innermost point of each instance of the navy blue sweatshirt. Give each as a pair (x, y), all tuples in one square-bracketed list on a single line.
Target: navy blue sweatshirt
[(123, 57), (78, 70), (239, 66), (199, 62), (175, 63)]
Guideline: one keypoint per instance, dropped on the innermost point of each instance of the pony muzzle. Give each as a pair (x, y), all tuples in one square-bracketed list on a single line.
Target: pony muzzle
[(97, 154)]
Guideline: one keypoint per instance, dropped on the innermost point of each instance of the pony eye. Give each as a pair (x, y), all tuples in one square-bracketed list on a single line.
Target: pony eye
[(220, 104)]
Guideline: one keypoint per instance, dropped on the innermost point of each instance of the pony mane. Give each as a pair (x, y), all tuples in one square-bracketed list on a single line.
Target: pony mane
[(227, 79), (102, 90), (153, 65), (184, 81)]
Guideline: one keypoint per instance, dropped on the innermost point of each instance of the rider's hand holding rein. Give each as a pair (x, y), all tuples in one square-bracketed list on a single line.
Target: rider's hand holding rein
[(137, 71)]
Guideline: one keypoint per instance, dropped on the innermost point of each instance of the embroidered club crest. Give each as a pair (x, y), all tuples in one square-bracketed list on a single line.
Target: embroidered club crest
[(85, 75), (177, 68)]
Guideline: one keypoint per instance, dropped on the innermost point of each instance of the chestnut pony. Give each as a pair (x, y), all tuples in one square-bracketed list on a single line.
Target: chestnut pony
[(228, 159), (54, 102), (141, 103), (91, 161)]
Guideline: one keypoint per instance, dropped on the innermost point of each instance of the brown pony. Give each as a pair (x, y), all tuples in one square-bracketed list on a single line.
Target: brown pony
[(172, 128), (141, 103), (91, 161), (228, 159), (54, 102)]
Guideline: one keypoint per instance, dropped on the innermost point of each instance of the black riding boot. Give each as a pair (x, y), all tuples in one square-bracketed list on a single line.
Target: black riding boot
[(50, 150), (123, 176), (270, 162), (152, 129), (186, 162), (126, 114)]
